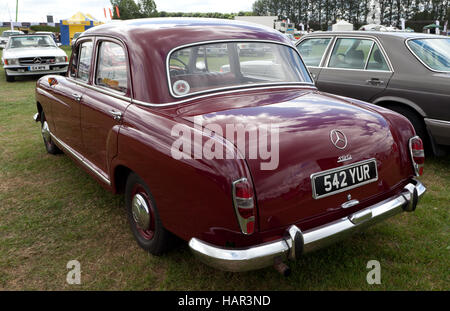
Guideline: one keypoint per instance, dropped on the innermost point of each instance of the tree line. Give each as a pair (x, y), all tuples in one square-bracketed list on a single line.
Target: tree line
[(321, 14), (129, 9)]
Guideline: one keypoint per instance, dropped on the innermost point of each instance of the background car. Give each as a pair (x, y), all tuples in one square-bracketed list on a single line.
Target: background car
[(48, 33), (75, 36), (406, 72), (5, 37), (32, 55), (338, 165)]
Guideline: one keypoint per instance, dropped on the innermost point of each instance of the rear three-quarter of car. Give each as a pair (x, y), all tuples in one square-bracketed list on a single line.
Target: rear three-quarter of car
[(251, 165)]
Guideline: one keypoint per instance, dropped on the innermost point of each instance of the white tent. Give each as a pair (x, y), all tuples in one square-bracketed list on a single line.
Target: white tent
[(342, 26)]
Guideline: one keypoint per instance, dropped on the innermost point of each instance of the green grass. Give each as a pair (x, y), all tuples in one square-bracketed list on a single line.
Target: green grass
[(51, 212)]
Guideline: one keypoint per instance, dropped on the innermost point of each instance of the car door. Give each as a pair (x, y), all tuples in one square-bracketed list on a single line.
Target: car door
[(312, 51), (68, 94), (105, 102), (356, 67)]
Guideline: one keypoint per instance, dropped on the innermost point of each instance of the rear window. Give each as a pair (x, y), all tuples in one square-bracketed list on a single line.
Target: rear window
[(434, 53), (202, 68)]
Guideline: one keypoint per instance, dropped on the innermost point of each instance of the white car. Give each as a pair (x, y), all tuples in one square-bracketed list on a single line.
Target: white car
[(33, 55), (5, 37)]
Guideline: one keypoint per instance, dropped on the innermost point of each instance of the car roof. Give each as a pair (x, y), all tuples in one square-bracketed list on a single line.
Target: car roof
[(393, 34), (185, 30)]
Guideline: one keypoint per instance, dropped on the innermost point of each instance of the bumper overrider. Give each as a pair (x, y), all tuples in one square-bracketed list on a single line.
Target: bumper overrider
[(296, 242)]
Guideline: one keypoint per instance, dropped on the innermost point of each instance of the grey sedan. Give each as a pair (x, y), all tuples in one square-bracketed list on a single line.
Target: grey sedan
[(406, 72)]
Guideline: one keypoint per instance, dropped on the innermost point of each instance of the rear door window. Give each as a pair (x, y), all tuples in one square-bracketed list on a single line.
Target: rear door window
[(377, 60), (350, 53), (112, 67)]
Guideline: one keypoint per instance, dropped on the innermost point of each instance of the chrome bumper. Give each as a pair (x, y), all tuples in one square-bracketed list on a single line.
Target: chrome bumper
[(296, 242)]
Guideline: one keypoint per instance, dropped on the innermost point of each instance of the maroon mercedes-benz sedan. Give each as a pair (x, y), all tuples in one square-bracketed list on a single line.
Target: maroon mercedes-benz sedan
[(215, 133)]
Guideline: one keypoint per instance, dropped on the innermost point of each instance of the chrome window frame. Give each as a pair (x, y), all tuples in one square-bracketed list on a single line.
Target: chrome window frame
[(98, 42), (374, 40), (418, 58), (325, 52), (356, 36), (88, 39), (243, 86)]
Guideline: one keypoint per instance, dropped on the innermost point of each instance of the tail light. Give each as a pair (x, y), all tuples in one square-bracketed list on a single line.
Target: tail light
[(417, 154), (244, 205)]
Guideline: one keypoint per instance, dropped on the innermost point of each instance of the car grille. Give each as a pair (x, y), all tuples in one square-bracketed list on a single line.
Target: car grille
[(37, 60)]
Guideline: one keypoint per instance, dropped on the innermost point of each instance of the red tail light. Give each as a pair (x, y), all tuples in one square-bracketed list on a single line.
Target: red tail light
[(417, 154), (244, 205)]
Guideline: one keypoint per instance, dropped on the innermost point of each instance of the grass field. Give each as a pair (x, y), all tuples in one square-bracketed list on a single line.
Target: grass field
[(51, 212)]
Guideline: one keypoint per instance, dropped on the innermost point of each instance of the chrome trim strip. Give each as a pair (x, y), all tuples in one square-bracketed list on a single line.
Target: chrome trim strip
[(418, 58), (138, 102), (225, 41), (83, 161), (336, 169), (440, 122), (368, 55), (263, 255)]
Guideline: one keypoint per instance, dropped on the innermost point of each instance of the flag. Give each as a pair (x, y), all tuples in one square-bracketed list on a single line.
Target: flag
[(117, 11), (104, 11), (110, 13)]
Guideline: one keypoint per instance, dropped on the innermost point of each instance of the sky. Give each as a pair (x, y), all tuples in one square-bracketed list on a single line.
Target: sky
[(37, 10)]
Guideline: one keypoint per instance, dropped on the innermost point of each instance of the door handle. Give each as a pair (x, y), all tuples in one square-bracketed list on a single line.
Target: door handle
[(375, 81), (77, 97), (117, 115)]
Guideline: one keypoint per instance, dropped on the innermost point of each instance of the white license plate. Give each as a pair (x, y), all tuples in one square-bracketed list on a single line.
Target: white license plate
[(344, 178), (38, 67)]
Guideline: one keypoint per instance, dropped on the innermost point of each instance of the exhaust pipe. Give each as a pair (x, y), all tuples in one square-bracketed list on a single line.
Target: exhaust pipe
[(281, 267)]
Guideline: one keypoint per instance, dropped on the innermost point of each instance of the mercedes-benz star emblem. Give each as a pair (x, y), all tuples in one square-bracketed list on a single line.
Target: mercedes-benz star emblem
[(338, 139), (37, 60)]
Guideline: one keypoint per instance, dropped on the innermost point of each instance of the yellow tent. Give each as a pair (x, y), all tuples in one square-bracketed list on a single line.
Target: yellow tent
[(79, 22)]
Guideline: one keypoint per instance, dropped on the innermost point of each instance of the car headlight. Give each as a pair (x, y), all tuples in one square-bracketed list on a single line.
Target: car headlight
[(61, 59), (11, 61)]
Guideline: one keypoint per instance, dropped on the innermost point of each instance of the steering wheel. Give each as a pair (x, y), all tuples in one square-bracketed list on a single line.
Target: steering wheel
[(176, 70), (340, 57)]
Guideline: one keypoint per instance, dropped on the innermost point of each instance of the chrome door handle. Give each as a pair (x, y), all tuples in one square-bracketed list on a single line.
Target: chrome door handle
[(117, 115), (77, 97), (374, 81)]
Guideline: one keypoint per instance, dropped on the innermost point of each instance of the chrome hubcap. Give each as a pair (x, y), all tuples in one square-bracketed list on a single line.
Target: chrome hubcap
[(45, 131), (141, 214)]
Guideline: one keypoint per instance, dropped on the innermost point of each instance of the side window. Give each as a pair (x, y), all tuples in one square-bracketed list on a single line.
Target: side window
[(350, 53), (312, 50), (377, 60), (84, 61), (111, 67)]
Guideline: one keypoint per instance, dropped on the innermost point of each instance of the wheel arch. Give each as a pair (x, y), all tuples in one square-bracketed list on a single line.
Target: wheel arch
[(387, 101)]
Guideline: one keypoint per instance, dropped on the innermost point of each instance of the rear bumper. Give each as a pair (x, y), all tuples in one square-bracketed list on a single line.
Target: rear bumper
[(296, 242)]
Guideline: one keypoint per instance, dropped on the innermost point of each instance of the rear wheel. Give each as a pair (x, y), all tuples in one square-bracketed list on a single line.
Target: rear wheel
[(143, 217), (9, 78), (48, 142)]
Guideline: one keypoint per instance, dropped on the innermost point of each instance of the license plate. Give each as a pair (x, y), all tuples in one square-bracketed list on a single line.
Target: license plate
[(38, 67), (344, 178)]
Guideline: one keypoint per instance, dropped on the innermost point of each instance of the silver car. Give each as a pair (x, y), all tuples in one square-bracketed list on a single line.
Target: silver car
[(405, 72), (33, 55)]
